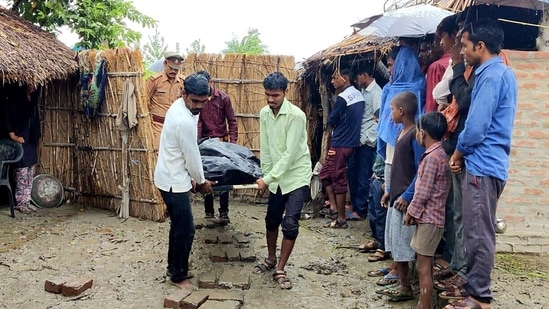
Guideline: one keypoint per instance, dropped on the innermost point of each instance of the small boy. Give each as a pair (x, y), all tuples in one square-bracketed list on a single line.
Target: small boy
[(427, 208), (404, 106)]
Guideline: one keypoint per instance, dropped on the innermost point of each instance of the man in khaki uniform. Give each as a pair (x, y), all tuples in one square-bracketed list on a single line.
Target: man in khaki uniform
[(163, 89)]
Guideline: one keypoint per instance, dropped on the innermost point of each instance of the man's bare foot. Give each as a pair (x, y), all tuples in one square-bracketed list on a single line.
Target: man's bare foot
[(185, 284)]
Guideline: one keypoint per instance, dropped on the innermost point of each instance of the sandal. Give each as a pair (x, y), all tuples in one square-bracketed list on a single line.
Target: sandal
[(281, 278), (353, 216), (264, 266), (380, 255), (378, 272), (449, 284), (336, 224), (384, 290), (23, 209), (387, 280), (371, 246), (454, 294), (328, 212), (467, 303), (397, 294)]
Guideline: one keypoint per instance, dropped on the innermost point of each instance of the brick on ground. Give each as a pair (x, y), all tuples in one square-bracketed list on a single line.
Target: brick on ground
[(225, 238), (76, 286), (207, 280), (217, 254), (230, 279), (247, 255), (175, 299), (223, 295), (211, 238), (195, 300), (241, 239), (54, 285), (232, 254), (215, 304)]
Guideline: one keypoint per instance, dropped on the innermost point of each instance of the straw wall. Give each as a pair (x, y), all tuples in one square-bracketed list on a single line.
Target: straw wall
[(88, 156)]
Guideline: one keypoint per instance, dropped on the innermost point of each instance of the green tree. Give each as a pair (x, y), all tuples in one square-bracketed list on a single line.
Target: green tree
[(196, 47), (250, 44), (154, 49), (98, 23)]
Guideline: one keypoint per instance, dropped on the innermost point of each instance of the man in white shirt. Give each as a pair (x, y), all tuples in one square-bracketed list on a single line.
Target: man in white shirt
[(179, 170)]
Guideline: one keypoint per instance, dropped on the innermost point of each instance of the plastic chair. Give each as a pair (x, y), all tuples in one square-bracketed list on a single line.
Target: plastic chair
[(15, 152)]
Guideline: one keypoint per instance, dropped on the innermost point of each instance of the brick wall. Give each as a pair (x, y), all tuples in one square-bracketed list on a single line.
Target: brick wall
[(525, 201)]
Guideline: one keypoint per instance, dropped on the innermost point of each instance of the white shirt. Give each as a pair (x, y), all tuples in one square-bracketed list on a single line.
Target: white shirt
[(179, 159), (442, 89), (372, 101)]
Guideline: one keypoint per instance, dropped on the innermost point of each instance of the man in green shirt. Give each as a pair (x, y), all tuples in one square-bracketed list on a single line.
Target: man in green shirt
[(287, 171)]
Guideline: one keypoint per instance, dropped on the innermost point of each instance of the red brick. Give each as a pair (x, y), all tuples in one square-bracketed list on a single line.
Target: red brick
[(207, 281), (528, 86), (538, 134), (544, 182), (232, 254), (54, 285), (516, 200), (195, 300), (215, 304), (525, 65), (210, 238), (225, 238), (217, 254), (175, 299), (224, 295), (536, 172), (528, 106), (521, 74), (511, 218), (533, 191), (76, 286)]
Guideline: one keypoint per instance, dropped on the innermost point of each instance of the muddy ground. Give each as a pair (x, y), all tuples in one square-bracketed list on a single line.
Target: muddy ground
[(126, 259)]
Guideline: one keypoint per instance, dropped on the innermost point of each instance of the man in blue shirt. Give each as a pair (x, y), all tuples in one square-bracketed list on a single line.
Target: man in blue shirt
[(484, 145)]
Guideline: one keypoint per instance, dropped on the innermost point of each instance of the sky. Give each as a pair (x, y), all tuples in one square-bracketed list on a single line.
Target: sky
[(287, 27)]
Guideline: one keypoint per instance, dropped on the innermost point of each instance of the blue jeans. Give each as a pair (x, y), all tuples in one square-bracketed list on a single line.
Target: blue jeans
[(376, 213), (181, 233), (359, 171), (480, 201)]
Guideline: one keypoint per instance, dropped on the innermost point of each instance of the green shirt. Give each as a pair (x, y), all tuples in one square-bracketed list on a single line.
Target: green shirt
[(285, 158)]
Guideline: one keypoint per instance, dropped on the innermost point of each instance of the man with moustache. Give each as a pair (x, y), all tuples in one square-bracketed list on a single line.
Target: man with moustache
[(286, 166), (179, 171), (162, 90)]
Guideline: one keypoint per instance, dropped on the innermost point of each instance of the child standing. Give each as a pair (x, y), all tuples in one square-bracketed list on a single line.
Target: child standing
[(404, 106), (427, 209)]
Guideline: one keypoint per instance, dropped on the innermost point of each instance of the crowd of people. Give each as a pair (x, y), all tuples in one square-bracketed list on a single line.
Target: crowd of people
[(424, 159)]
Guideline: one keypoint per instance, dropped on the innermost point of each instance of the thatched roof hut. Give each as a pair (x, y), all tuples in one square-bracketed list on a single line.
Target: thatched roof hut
[(30, 55)]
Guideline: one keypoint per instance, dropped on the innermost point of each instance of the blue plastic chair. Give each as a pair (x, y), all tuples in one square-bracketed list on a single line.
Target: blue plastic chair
[(10, 152)]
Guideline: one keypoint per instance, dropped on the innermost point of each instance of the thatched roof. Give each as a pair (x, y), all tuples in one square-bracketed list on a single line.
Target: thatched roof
[(29, 54), (356, 44)]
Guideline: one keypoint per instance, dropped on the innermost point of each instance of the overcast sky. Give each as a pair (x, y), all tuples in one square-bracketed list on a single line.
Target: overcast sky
[(287, 27)]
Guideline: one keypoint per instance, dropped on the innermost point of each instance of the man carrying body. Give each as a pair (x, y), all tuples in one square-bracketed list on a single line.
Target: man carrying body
[(286, 166), (178, 171), (217, 120), (162, 90)]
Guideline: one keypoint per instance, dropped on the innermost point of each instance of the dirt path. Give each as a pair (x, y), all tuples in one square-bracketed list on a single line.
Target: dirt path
[(126, 259)]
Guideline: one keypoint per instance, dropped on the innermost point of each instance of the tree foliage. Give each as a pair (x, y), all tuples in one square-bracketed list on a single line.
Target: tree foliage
[(154, 49), (249, 44), (98, 23), (196, 47)]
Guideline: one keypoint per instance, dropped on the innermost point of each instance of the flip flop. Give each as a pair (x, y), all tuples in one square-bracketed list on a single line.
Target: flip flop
[(467, 303), (379, 255), (387, 280), (371, 246), (353, 216), (378, 272), (395, 294)]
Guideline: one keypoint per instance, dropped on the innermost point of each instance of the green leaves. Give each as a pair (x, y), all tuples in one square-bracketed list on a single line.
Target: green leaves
[(98, 23), (250, 44)]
